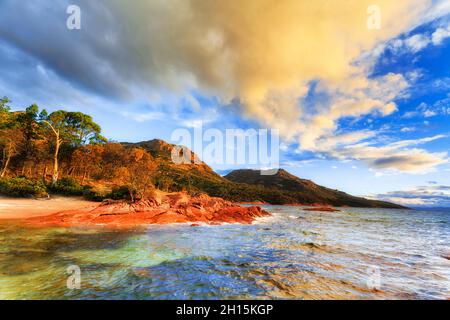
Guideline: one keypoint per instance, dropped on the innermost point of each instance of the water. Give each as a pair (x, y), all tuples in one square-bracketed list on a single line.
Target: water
[(353, 254)]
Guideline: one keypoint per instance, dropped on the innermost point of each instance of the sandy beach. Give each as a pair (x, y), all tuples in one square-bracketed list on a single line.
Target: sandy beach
[(16, 208)]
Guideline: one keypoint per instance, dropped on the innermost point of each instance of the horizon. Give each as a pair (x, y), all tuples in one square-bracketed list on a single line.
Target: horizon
[(361, 105)]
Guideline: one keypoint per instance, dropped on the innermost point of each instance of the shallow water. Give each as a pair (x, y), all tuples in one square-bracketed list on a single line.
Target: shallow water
[(353, 254)]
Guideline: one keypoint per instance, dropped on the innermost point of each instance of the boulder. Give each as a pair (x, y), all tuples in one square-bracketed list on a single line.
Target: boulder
[(163, 209)]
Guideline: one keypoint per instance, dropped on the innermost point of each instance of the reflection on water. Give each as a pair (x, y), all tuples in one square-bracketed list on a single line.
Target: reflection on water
[(293, 255)]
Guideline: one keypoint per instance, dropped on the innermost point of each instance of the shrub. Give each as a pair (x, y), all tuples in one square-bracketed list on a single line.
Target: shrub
[(120, 193), (68, 187), (92, 195), (22, 187)]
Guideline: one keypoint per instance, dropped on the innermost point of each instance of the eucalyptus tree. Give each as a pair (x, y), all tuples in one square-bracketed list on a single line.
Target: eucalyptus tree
[(8, 138), (72, 128)]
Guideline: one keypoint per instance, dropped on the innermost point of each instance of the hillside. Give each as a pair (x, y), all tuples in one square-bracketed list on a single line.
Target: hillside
[(282, 180), (65, 153), (245, 185), (301, 190)]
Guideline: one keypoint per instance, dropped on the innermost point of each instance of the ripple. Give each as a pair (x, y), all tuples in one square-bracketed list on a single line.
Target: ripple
[(291, 255)]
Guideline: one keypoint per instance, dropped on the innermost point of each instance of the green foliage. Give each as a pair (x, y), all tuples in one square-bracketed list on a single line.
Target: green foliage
[(32, 140), (5, 115), (22, 187), (68, 187), (92, 195), (75, 128), (27, 122), (4, 104), (120, 193)]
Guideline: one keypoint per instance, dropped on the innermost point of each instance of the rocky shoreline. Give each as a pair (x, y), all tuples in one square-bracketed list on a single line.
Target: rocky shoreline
[(162, 208)]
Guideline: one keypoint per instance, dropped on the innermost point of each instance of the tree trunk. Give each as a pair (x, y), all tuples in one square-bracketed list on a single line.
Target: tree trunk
[(8, 159), (84, 177), (44, 176), (55, 159), (131, 196)]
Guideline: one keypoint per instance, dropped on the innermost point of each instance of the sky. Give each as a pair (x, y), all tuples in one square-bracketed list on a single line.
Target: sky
[(359, 91)]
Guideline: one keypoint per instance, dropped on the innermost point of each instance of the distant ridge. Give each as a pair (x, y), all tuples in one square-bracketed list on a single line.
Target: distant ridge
[(245, 185), (303, 191)]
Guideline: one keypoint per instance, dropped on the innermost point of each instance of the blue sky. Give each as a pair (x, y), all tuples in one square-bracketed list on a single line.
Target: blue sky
[(363, 111)]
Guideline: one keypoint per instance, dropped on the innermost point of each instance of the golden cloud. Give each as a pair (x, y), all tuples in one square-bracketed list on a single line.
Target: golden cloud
[(266, 53)]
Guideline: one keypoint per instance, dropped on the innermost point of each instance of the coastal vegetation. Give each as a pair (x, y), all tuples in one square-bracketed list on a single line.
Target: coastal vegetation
[(65, 153)]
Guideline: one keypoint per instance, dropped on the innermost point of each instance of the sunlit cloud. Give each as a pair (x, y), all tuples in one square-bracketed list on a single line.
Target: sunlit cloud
[(398, 156), (426, 196), (297, 66)]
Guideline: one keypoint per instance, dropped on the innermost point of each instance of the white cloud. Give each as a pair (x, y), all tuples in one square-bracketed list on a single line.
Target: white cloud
[(397, 156), (420, 41), (143, 116), (427, 196), (410, 114), (417, 42), (440, 107), (429, 113), (415, 142), (354, 97), (440, 35), (262, 56)]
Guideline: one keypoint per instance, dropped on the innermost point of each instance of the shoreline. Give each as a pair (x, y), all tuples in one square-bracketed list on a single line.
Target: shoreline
[(12, 208), (162, 208)]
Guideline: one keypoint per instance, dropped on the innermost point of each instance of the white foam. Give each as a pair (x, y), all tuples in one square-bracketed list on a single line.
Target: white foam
[(270, 219)]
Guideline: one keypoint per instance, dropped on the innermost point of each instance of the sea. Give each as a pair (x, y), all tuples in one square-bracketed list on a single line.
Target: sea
[(294, 254)]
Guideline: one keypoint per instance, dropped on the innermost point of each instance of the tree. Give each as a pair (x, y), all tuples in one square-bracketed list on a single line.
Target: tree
[(139, 172), (4, 110), (84, 129), (114, 157), (73, 128), (88, 159), (10, 135), (28, 122), (11, 140)]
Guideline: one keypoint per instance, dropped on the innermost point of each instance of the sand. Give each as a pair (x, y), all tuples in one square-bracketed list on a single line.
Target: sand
[(13, 208)]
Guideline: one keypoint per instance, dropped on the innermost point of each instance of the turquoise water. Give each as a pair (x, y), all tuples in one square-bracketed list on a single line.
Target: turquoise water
[(353, 254)]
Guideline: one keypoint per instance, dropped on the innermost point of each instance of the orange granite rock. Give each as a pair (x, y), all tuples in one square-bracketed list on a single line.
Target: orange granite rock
[(161, 209)]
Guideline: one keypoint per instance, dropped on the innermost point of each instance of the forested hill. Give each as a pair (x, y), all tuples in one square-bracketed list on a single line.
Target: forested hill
[(301, 190), (64, 152), (246, 185)]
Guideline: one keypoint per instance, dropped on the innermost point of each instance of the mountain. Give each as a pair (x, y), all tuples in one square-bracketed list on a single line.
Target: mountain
[(178, 176), (244, 185), (301, 190), (281, 180)]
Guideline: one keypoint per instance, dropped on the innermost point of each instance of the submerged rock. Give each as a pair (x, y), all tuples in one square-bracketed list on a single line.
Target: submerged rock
[(163, 209)]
